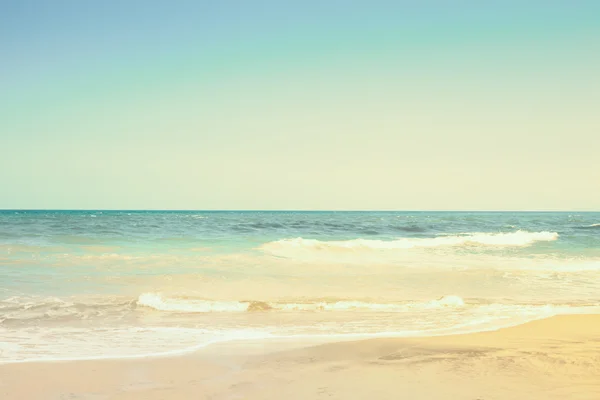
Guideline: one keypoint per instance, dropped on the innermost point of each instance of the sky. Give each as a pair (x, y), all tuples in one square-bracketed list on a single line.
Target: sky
[(362, 105)]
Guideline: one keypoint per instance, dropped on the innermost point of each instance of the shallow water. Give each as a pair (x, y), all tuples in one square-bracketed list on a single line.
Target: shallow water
[(87, 284)]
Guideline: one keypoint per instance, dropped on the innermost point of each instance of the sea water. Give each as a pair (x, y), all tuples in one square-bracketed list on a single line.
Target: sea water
[(111, 284)]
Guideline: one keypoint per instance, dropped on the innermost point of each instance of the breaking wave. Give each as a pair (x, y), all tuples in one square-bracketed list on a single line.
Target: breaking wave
[(512, 239), (158, 302), (592, 226), (26, 310), (189, 305)]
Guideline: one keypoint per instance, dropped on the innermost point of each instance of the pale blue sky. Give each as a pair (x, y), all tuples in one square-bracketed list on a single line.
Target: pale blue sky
[(300, 105)]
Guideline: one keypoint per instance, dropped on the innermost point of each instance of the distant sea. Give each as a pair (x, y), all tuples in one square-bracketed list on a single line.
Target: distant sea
[(111, 284)]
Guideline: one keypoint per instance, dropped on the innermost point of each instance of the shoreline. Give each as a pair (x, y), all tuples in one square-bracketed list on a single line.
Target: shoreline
[(293, 340), (555, 357)]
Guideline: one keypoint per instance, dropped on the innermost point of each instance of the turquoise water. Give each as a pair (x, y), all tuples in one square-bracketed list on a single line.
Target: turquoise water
[(87, 284)]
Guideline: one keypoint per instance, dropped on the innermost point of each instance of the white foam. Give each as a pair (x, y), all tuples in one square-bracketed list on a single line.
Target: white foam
[(512, 239), (448, 301), (68, 343), (158, 302), (62, 344), (189, 305), (443, 302)]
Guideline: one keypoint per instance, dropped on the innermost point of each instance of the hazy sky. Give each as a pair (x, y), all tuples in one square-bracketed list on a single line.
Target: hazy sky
[(300, 104)]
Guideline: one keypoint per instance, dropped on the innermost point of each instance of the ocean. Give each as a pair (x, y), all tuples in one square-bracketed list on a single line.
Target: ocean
[(116, 284)]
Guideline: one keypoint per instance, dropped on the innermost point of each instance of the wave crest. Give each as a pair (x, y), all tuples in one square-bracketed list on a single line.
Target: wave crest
[(511, 239), (592, 226), (158, 302), (191, 305)]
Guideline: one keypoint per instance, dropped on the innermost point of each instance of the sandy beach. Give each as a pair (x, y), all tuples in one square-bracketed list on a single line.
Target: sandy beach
[(280, 200), (555, 358)]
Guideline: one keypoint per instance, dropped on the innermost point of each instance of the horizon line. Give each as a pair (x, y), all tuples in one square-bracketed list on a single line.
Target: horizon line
[(292, 210)]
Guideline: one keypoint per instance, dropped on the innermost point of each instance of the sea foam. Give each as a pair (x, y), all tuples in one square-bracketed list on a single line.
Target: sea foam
[(158, 302), (592, 226), (511, 239), (190, 305)]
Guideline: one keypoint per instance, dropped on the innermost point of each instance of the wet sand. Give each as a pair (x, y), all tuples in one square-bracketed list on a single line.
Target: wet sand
[(556, 358)]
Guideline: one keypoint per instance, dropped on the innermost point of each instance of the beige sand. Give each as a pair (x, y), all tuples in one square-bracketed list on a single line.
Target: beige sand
[(557, 358)]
